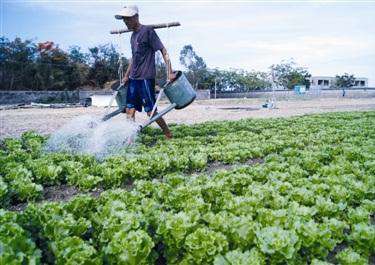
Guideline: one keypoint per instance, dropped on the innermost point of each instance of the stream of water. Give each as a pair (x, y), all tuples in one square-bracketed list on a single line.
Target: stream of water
[(90, 135)]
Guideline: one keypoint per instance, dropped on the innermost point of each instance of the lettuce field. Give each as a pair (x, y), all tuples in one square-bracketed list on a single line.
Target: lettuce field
[(295, 190)]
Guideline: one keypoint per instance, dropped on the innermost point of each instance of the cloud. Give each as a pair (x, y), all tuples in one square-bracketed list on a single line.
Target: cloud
[(327, 38), (72, 8), (322, 45)]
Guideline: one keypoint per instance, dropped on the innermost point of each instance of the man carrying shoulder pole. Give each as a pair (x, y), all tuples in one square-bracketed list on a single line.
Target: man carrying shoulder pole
[(141, 72)]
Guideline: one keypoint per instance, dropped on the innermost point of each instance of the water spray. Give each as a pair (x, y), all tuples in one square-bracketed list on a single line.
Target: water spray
[(103, 136)]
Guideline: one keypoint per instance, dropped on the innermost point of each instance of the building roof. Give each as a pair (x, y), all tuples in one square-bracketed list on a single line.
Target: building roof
[(332, 77)]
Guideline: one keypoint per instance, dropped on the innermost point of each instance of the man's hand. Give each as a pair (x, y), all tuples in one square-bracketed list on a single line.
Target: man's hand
[(171, 77), (125, 80)]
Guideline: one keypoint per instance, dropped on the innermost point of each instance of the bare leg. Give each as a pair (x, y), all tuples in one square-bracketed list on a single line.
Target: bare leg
[(130, 115), (163, 125)]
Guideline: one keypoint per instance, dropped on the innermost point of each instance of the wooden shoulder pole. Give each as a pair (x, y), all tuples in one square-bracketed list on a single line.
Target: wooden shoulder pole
[(155, 26)]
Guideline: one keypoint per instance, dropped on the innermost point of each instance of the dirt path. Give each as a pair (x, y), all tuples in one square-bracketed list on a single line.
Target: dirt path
[(46, 121)]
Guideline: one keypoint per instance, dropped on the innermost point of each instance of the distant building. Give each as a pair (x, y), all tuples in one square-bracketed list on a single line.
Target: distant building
[(326, 82)]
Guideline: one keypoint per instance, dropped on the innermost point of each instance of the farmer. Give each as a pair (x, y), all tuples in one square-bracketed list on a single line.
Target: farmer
[(141, 72)]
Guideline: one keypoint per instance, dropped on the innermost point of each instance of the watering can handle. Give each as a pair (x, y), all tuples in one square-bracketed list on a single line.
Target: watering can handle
[(158, 98), (169, 66), (156, 103)]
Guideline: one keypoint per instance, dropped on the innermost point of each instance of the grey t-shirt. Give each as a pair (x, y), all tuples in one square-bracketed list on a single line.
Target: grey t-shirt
[(144, 44)]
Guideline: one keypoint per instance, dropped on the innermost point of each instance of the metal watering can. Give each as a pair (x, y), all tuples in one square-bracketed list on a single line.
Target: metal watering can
[(180, 93)]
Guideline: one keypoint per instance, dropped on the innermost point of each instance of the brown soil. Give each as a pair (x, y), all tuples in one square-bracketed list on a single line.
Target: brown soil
[(47, 120)]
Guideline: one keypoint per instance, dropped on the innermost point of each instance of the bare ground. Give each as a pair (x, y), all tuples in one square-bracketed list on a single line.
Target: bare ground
[(47, 120)]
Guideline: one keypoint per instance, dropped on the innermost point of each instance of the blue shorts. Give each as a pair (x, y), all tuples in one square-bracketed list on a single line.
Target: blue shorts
[(141, 93)]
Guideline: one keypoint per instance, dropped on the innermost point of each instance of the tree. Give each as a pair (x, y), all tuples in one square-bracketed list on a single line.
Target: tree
[(235, 80), (26, 65), (54, 69), (287, 74), (104, 62), (345, 80), (80, 68), (16, 58), (253, 80), (77, 56), (195, 64)]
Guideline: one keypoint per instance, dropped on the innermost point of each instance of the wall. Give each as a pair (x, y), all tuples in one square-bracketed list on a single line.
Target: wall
[(26, 97), (101, 98), (280, 94), (203, 94)]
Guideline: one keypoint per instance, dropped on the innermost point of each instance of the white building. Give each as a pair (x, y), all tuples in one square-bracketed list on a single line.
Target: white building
[(325, 82)]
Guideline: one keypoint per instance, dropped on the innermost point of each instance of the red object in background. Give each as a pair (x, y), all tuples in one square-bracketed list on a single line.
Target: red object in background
[(45, 46), (49, 48)]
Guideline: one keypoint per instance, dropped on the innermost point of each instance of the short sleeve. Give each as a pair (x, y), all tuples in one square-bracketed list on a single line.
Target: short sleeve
[(155, 42)]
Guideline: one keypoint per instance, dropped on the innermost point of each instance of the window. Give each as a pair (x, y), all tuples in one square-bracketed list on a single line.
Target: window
[(356, 83), (326, 83), (363, 83), (320, 82)]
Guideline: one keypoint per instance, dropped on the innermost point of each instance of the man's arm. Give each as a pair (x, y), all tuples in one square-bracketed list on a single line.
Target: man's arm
[(170, 75), (127, 73), (156, 45)]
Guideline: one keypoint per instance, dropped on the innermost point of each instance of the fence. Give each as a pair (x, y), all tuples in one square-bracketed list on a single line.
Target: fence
[(285, 94), (26, 97), (101, 98)]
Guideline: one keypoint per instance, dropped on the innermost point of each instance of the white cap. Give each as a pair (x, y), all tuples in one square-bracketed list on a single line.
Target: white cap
[(127, 11)]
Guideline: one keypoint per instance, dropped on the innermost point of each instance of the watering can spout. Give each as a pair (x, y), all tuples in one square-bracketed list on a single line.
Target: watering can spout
[(179, 92), (159, 115)]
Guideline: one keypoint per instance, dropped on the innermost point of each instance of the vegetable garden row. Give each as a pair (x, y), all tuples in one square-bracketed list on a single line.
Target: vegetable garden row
[(310, 201)]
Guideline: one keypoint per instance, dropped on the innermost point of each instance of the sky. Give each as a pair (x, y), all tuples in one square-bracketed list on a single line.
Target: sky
[(327, 37)]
